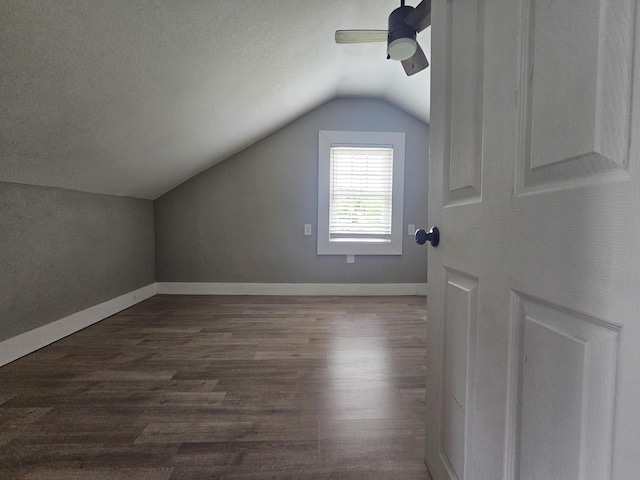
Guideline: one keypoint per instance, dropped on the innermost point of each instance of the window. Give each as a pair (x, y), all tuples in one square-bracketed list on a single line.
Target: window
[(360, 193)]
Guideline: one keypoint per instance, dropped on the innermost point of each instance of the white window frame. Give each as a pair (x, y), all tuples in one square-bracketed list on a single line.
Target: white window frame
[(329, 138)]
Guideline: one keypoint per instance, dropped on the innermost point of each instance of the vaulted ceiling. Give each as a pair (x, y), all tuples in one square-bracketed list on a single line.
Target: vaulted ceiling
[(134, 97)]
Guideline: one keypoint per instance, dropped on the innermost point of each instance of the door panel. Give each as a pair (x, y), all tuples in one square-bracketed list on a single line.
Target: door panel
[(534, 291), (463, 167), (461, 316), (567, 384), (576, 90)]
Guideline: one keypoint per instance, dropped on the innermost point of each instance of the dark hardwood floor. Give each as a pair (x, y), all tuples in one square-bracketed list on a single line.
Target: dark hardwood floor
[(194, 387)]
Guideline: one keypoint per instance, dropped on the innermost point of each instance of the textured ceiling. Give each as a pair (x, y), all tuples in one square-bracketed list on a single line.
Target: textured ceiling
[(134, 97)]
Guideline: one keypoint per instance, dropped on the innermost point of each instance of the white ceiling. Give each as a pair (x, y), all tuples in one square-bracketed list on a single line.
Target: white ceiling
[(134, 97)]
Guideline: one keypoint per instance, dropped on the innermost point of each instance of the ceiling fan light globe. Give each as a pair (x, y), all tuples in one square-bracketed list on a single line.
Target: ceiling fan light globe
[(402, 48)]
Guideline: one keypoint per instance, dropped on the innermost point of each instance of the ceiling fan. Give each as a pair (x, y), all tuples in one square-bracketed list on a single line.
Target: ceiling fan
[(404, 23)]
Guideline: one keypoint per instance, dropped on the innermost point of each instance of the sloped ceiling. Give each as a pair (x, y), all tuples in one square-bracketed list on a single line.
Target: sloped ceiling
[(134, 97)]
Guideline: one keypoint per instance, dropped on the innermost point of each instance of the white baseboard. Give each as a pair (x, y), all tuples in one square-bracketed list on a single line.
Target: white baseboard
[(338, 289), (28, 342)]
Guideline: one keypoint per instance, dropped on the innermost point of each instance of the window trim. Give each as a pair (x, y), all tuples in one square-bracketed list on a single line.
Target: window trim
[(329, 138)]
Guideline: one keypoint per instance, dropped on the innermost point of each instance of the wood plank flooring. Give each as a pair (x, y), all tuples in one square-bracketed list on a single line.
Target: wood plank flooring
[(214, 387)]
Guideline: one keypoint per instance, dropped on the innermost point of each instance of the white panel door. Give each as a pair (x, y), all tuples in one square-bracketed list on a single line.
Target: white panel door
[(533, 363)]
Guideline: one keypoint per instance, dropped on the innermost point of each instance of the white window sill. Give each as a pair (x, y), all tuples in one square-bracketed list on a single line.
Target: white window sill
[(350, 247)]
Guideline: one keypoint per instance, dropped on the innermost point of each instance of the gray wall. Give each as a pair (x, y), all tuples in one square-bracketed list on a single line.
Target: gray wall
[(62, 251), (242, 219)]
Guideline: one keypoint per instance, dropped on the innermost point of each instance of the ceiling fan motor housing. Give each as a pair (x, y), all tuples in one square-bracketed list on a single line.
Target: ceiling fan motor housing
[(401, 41)]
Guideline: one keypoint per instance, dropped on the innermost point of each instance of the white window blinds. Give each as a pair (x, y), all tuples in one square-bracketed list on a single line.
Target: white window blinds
[(361, 183)]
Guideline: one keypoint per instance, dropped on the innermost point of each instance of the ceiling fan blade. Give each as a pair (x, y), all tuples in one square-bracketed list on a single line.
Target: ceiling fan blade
[(361, 36), (420, 17), (416, 63)]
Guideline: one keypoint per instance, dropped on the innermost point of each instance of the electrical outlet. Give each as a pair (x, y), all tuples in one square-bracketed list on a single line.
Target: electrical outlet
[(351, 259), (307, 229), (411, 230)]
